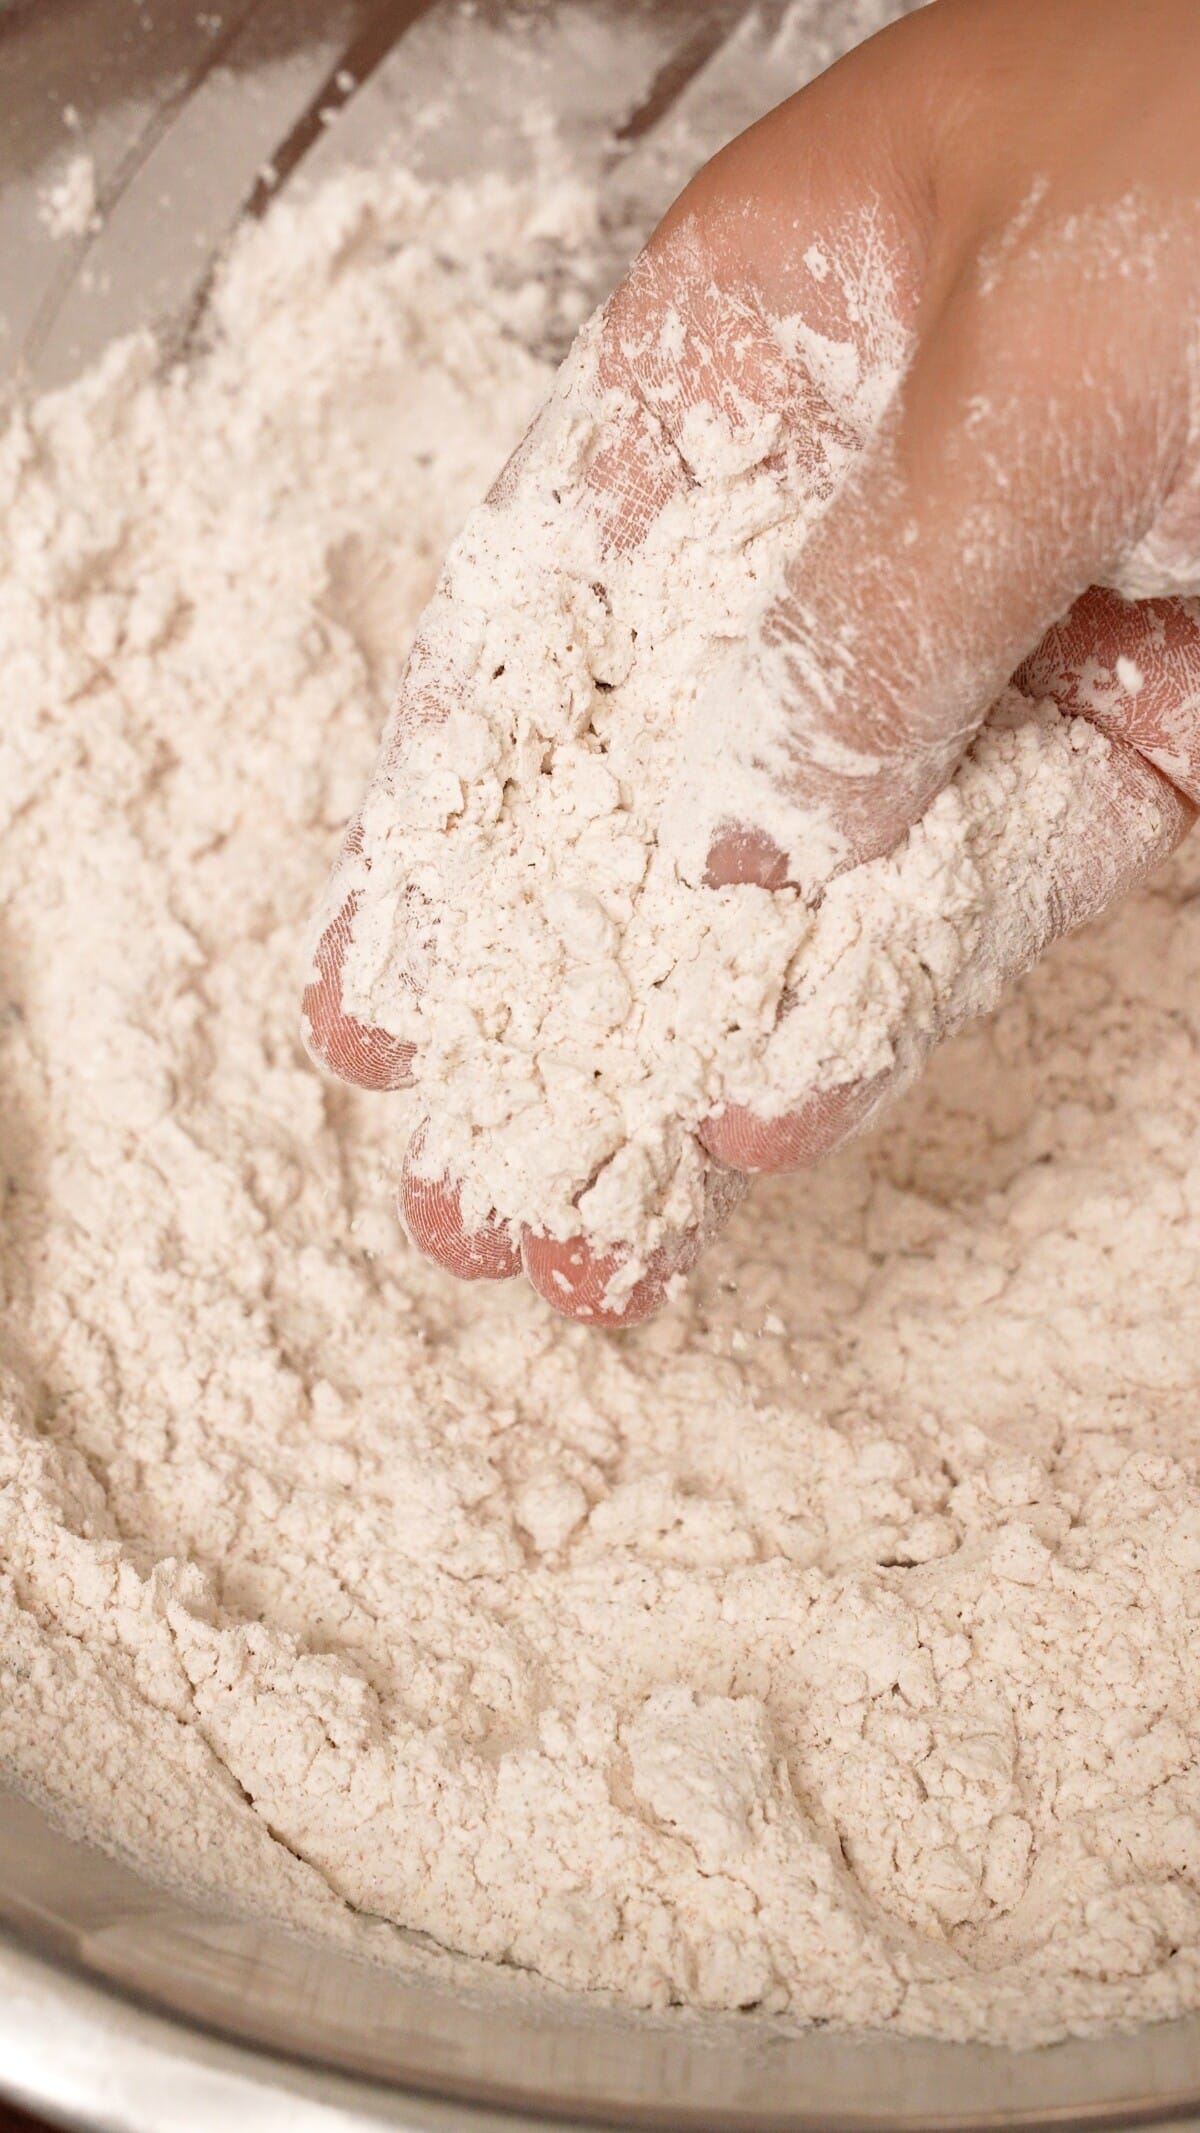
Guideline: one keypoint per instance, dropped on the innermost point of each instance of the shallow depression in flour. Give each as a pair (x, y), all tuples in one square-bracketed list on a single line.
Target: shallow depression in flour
[(831, 1646)]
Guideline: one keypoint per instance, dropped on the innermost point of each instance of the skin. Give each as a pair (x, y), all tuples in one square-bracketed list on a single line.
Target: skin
[(1030, 508)]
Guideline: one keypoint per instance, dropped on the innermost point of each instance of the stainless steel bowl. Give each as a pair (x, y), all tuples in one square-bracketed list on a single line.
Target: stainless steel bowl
[(121, 2005)]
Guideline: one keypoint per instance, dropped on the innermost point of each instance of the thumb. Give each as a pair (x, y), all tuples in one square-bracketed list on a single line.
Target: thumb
[(1027, 451)]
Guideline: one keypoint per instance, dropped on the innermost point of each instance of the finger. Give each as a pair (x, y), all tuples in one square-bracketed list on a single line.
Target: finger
[(1017, 464), (632, 474), (583, 1283), (1130, 820), (798, 1139), (338, 1041), (431, 1211), (1036, 875), (580, 1282), (695, 345), (362, 954), (1133, 668)]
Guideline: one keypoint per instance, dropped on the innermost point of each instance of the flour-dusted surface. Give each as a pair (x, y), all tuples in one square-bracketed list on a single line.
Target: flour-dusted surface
[(832, 1645)]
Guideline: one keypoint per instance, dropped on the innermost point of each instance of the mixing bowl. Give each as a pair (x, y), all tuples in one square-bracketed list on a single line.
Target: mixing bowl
[(123, 2005)]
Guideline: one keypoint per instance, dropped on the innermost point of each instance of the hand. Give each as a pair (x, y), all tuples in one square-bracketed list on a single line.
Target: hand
[(1026, 182)]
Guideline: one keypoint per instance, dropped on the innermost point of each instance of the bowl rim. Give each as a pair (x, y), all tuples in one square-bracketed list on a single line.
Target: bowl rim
[(126, 2006)]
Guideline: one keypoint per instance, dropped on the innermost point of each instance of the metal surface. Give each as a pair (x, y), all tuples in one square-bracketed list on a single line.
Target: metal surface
[(123, 2006), (195, 113)]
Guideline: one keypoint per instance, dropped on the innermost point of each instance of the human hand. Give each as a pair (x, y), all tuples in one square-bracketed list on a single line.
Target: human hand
[(993, 208)]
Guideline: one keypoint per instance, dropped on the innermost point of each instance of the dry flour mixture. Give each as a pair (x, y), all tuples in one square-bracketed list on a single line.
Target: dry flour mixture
[(830, 1646)]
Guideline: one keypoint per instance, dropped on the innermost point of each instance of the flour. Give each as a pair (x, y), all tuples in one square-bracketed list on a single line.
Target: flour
[(831, 1645), (68, 203)]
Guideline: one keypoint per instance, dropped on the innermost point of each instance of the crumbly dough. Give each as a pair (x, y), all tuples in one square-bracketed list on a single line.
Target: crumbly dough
[(831, 1645)]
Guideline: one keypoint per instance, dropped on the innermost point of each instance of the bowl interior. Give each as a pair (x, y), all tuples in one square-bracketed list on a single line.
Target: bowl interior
[(143, 93)]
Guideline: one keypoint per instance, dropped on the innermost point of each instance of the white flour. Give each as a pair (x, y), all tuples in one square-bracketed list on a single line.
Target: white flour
[(67, 206), (831, 1645)]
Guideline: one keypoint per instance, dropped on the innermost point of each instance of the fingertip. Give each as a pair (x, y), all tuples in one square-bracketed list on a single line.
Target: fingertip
[(338, 1042), (739, 856), (576, 1281), (1133, 668), (797, 1139), (582, 1283), (341, 1045), (431, 1211)]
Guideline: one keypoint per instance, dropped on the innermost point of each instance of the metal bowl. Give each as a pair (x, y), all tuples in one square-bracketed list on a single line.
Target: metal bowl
[(121, 2005), (124, 2008)]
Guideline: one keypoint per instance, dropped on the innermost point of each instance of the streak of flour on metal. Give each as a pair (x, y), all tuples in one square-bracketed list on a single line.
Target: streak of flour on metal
[(830, 1646)]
